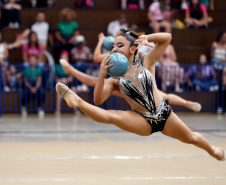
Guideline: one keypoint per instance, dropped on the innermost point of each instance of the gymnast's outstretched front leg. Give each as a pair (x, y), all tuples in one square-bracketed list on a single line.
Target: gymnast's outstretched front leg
[(126, 120)]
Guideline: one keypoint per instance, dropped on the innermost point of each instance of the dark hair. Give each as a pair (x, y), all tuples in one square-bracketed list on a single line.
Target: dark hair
[(29, 40), (220, 35), (132, 37), (196, 11)]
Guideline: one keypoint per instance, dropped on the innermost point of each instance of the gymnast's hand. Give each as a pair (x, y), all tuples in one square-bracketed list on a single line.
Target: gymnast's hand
[(101, 37), (104, 67), (142, 41)]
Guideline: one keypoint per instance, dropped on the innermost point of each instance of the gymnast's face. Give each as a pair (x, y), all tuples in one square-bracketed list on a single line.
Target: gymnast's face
[(121, 45)]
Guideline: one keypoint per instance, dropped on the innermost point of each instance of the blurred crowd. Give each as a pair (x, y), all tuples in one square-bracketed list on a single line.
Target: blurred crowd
[(68, 42)]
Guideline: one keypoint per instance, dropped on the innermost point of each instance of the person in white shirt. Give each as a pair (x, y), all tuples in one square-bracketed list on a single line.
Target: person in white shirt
[(115, 26), (40, 27)]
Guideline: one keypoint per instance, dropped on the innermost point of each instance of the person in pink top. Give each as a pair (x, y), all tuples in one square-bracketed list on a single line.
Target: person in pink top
[(81, 52), (159, 15), (32, 48), (196, 15)]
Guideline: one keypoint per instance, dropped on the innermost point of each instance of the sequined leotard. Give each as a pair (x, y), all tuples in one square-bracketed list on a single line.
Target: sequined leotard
[(137, 87)]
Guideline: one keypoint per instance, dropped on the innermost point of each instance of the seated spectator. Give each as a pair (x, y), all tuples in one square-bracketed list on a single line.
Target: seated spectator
[(32, 48), (159, 15), (171, 74), (218, 54), (115, 26), (4, 53), (132, 4), (41, 3), (80, 53), (202, 77), (40, 27), (196, 15), (33, 90), (84, 3), (67, 31), (13, 78), (12, 12), (218, 50), (63, 77)]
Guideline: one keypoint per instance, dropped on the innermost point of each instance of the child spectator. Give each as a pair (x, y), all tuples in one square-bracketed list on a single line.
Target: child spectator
[(196, 15), (159, 15), (61, 76), (4, 53), (67, 31), (33, 90), (12, 12), (13, 78), (33, 48), (202, 77), (132, 4)]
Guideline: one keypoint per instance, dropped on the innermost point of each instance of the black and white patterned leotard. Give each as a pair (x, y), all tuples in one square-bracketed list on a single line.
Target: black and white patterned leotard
[(137, 88)]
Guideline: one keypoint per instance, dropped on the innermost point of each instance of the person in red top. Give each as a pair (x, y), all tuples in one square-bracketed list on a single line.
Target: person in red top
[(196, 15)]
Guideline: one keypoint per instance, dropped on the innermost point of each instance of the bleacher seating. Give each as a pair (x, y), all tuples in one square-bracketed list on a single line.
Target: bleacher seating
[(188, 43)]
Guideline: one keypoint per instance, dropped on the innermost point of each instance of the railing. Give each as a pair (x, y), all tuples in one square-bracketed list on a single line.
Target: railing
[(170, 80)]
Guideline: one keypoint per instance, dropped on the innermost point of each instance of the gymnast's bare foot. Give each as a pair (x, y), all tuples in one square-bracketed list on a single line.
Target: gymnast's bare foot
[(65, 65), (219, 154), (68, 95), (196, 107)]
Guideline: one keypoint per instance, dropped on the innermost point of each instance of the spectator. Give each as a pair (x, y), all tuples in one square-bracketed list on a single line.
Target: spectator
[(33, 88), (196, 15), (4, 53), (218, 54), (12, 12), (202, 77), (67, 31), (218, 50), (159, 15), (115, 26), (132, 4), (81, 52), (13, 78), (61, 76), (171, 73), (32, 48), (40, 27)]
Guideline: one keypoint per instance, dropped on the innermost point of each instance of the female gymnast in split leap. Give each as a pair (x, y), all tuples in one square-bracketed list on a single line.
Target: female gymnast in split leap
[(150, 111)]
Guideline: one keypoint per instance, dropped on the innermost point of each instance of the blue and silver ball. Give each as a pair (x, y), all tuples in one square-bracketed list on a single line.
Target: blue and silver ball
[(121, 65), (108, 43)]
